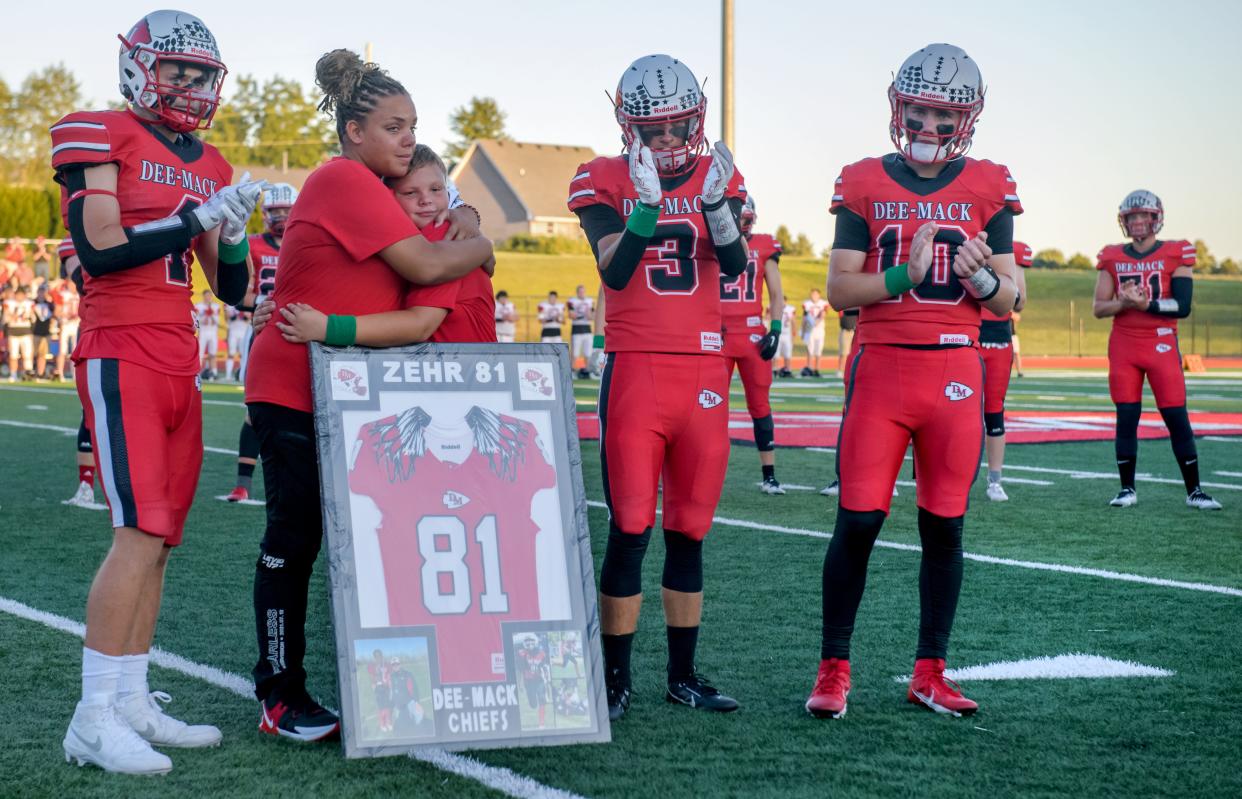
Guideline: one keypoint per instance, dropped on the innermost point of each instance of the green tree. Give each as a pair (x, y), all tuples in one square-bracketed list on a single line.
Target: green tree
[(25, 116), (786, 240), (265, 124), (480, 119), (1079, 261), (1205, 262), (1229, 267), (802, 247), (1049, 259)]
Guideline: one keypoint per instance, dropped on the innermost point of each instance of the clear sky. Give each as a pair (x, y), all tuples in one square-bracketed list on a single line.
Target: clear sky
[(1087, 99)]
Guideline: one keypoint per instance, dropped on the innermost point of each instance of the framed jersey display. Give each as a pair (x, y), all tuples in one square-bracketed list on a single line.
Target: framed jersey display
[(463, 590)]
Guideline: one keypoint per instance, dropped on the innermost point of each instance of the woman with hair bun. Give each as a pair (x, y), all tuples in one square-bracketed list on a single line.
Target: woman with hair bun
[(348, 249)]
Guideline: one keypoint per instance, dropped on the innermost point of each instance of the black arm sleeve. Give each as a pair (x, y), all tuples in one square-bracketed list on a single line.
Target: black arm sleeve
[(851, 232), (1000, 232), (1183, 290), (232, 280), (144, 243), (598, 221), (733, 258)]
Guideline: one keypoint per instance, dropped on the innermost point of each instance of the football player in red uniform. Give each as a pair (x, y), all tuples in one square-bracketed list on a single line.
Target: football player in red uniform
[(278, 201), (139, 193), (1146, 286), (748, 347), (663, 223), (924, 237), (348, 248), (998, 347)]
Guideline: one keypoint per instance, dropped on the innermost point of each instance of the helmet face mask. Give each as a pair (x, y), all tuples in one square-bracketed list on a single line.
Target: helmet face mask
[(659, 96), (278, 200), (170, 67), (1141, 215), (940, 77), (748, 217)]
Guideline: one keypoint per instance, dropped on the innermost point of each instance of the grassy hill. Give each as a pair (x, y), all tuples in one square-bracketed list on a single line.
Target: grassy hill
[(1059, 301)]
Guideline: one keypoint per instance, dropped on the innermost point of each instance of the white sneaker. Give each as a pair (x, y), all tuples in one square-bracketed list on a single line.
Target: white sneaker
[(771, 486), (97, 734), (1125, 498), (84, 497), (148, 719), (996, 493), (832, 489)]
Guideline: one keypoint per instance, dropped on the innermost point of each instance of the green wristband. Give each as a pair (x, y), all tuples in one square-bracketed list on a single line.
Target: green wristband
[(776, 326), (233, 253), (897, 280), (642, 221), (342, 330), (597, 343)]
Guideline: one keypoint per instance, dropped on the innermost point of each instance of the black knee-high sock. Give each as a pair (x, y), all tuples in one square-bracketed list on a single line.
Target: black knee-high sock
[(1182, 437), (845, 577), (1126, 445), (617, 649), (940, 581), (280, 599)]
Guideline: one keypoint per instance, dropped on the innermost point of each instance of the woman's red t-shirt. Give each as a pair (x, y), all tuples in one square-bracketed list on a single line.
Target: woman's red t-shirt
[(469, 301)]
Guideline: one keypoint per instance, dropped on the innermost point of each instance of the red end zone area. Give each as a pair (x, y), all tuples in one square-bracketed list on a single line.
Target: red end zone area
[(1027, 427)]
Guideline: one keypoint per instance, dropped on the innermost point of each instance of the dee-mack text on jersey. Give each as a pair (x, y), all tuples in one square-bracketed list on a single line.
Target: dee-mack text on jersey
[(422, 372), (169, 175), (1139, 266), (672, 205), (928, 211)]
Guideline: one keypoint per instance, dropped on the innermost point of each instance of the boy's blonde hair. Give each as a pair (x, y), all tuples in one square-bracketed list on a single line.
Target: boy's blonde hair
[(424, 155)]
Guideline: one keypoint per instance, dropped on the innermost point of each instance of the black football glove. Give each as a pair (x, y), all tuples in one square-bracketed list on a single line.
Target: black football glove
[(768, 344)]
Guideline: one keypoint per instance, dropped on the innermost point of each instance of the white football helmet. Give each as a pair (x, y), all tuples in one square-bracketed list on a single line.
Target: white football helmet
[(747, 221), (1140, 201), (938, 76), (277, 197), (171, 36), (659, 89)]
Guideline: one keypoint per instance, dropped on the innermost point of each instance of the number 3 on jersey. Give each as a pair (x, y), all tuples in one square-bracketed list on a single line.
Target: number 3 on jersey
[(670, 258), (446, 576)]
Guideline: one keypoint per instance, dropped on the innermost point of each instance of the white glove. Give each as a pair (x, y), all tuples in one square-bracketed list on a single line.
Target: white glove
[(718, 174), (241, 202), (598, 357), (644, 175)]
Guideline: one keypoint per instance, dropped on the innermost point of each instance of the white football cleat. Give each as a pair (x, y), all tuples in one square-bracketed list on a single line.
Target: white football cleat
[(1200, 500), (148, 719), (84, 498), (98, 735), (832, 489), (1126, 498), (771, 486), (996, 493)]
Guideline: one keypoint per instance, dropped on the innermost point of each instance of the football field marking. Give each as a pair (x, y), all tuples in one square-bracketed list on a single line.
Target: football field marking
[(1060, 667), (1229, 474), (990, 559), (495, 777)]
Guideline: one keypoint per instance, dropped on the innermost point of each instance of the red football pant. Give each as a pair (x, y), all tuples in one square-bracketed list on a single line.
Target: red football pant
[(997, 363), (743, 354), (147, 433), (931, 397), (664, 415), (1130, 357)]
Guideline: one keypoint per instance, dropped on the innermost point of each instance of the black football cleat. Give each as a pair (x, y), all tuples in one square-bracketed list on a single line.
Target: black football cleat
[(697, 692), (618, 701), (303, 720)]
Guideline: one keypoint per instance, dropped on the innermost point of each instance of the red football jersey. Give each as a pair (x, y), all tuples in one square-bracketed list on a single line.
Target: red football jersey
[(1022, 255), (742, 296), (329, 260), (469, 301), (265, 256), (143, 315), (1151, 270), (531, 664), (672, 303), (894, 204), (456, 535)]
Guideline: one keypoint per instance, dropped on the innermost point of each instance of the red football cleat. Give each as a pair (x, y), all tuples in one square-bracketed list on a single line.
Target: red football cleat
[(832, 685), (931, 689), (238, 494)]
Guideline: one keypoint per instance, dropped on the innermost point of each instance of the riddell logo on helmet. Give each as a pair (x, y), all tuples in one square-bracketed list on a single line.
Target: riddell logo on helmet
[(957, 392), (667, 109)]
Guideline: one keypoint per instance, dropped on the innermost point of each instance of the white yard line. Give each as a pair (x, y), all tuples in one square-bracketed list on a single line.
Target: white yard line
[(1085, 475), (1020, 564), (1229, 474), (497, 778), (1060, 667)]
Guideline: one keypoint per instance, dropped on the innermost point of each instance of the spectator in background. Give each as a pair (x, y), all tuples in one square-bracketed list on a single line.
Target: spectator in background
[(42, 259), (1014, 318), (581, 312), (207, 315), (6, 272), (6, 295), (506, 318), (848, 321), (551, 317), (15, 253), (813, 311), (23, 275), (41, 329), (784, 347), (18, 323)]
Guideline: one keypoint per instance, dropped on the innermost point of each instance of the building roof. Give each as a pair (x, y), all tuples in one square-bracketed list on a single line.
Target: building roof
[(539, 174)]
